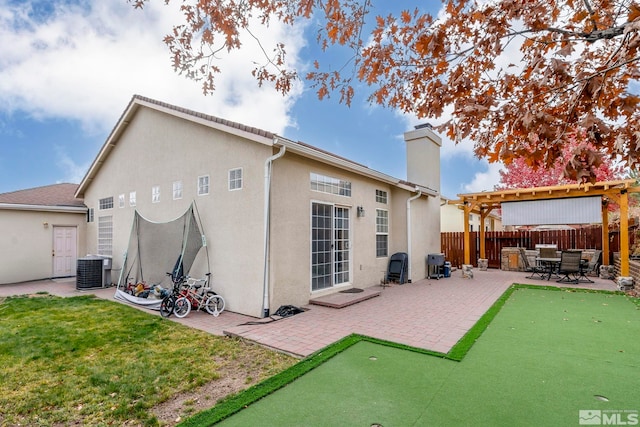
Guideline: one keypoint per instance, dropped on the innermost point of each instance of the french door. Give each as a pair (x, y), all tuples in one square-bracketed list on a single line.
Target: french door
[(330, 248)]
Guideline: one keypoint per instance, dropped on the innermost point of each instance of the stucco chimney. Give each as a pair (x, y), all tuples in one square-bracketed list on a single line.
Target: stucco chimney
[(423, 156)]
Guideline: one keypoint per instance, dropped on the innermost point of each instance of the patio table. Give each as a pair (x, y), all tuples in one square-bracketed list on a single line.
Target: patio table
[(550, 265)]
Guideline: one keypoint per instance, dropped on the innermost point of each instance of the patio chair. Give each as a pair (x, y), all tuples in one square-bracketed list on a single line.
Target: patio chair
[(590, 267), (537, 272), (594, 263), (548, 253), (569, 266)]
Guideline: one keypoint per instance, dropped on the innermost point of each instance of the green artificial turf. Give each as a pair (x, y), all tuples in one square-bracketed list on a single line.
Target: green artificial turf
[(540, 356), (547, 355)]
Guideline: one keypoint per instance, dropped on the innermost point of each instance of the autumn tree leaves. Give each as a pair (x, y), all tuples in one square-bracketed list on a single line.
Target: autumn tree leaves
[(516, 78)]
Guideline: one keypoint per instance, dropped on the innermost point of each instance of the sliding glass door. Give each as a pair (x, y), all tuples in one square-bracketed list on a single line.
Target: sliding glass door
[(330, 246)]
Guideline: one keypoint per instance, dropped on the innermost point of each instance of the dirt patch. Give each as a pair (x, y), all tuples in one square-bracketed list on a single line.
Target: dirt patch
[(633, 293), (236, 372), (187, 404)]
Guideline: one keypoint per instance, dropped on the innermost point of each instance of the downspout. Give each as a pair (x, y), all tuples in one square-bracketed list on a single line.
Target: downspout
[(267, 216), (409, 200)]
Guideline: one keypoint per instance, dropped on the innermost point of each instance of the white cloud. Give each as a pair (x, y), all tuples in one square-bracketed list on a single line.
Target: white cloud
[(486, 180), (85, 63), (73, 172), (449, 148)]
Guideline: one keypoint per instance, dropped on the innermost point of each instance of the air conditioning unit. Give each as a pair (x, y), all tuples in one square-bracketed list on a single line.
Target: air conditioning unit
[(92, 272)]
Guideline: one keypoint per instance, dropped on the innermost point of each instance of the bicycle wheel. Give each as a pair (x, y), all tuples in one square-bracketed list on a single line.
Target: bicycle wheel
[(182, 307), (214, 305), (167, 305)]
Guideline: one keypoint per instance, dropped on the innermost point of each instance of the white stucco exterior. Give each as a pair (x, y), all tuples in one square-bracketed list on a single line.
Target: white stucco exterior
[(27, 241), (156, 144), (452, 219)]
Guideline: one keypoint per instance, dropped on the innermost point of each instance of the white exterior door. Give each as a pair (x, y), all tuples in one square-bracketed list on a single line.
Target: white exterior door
[(64, 251)]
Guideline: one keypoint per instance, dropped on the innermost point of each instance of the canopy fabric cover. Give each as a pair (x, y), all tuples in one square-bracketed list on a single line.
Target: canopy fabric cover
[(158, 248), (578, 210)]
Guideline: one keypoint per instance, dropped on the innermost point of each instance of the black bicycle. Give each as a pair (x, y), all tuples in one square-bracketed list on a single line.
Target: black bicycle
[(168, 304)]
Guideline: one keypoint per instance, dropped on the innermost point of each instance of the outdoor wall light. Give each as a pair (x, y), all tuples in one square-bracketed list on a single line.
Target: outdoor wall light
[(360, 211), (45, 224)]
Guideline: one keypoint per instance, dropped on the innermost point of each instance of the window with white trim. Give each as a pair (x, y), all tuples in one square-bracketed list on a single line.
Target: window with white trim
[(203, 185), (327, 184), (177, 190), (382, 233), (235, 179), (90, 215), (155, 194), (121, 200), (105, 235), (132, 198), (106, 203), (381, 196)]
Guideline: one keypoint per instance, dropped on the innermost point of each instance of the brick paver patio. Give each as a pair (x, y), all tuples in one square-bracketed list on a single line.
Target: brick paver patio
[(429, 314)]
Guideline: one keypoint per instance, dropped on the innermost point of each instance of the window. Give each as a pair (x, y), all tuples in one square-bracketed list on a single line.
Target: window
[(326, 184), (381, 196), (121, 201), (235, 179), (105, 235), (132, 198), (203, 185), (90, 215), (155, 194), (177, 190), (382, 233), (106, 203)]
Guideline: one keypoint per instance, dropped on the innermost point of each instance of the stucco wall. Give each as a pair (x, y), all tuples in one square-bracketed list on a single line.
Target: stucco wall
[(451, 219), (423, 157), (158, 149), (292, 198), (425, 234), (26, 245)]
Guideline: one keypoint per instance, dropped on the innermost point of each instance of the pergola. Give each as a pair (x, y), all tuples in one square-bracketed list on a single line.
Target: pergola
[(616, 191)]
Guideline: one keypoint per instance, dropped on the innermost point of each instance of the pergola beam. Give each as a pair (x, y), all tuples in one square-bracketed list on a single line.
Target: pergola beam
[(615, 190)]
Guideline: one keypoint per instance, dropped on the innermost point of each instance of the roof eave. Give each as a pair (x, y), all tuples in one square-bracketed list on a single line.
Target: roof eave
[(43, 208), (128, 115), (310, 152)]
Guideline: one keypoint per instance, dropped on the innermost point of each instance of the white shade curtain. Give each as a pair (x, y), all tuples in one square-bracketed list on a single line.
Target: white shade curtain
[(576, 210)]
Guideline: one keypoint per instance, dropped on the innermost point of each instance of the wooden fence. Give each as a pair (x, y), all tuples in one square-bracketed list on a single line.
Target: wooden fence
[(452, 243)]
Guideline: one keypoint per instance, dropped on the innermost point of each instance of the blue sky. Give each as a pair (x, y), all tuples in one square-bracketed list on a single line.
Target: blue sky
[(69, 68)]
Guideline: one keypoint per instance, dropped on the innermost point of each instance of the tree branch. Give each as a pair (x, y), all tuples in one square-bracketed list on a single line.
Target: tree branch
[(587, 5)]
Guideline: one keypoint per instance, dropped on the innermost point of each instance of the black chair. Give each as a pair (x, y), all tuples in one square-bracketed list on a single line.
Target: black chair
[(537, 272), (397, 270), (569, 266)]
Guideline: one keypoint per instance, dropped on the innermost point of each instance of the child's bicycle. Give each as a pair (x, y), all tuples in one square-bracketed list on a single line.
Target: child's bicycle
[(191, 293), (197, 294), (169, 302)]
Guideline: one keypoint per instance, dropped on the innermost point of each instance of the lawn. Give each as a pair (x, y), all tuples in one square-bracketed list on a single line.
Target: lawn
[(87, 361), (540, 357)]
